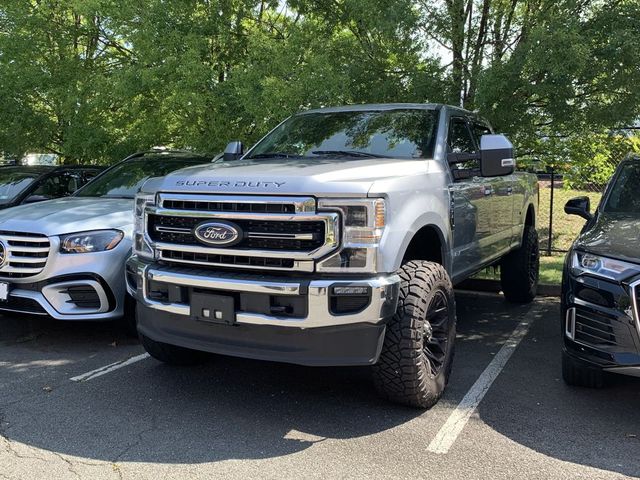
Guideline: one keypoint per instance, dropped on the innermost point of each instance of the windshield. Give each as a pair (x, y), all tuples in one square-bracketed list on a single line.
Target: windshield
[(624, 196), (403, 133), (125, 179), (14, 181)]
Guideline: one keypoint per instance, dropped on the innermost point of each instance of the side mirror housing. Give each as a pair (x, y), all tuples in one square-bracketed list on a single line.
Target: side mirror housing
[(35, 198), (233, 151), (580, 206), (496, 156)]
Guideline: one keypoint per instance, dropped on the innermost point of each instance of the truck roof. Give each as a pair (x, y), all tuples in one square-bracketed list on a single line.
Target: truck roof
[(388, 106), (376, 106)]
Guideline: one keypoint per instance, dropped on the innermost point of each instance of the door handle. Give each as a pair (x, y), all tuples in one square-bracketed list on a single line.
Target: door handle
[(488, 191), (510, 191)]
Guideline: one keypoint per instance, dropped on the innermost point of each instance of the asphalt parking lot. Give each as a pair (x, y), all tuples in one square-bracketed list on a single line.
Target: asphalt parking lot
[(235, 418)]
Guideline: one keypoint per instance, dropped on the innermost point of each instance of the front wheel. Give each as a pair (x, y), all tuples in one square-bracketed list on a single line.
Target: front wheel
[(417, 353), (171, 354), (578, 374)]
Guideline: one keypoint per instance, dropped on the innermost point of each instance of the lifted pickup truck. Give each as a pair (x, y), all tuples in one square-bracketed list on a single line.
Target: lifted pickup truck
[(335, 240)]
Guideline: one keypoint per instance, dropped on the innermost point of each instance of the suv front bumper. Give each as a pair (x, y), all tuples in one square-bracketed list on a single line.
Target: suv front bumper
[(320, 337), (600, 322)]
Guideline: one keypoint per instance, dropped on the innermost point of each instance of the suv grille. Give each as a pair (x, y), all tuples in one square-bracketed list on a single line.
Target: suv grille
[(26, 254), (259, 234), (278, 233)]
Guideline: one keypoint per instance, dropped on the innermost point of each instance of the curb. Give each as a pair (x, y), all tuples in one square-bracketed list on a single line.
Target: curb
[(493, 286)]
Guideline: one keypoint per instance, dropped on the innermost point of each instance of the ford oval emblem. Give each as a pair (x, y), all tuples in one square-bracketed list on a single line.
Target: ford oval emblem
[(218, 234)]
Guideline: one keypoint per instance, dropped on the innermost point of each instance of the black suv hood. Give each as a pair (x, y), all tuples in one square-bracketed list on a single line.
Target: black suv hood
[(614, 236)]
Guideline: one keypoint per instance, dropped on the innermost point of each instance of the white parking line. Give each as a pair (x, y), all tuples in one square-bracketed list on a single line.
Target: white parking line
[(456, 422), (98, 372)]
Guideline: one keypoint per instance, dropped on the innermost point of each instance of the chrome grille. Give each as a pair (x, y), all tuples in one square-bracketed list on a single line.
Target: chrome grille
[(259, 234), (26, 254), (280, 233)]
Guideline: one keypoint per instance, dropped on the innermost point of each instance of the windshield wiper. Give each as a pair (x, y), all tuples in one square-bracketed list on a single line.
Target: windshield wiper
[(349, 153), (275, 155)]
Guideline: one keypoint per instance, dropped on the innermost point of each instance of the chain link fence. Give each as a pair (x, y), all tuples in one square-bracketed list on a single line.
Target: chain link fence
[(556, 229)]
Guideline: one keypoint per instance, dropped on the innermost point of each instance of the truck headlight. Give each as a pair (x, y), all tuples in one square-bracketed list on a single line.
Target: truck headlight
[(363, 223), (602, 266), (140, 245), (93, 241)]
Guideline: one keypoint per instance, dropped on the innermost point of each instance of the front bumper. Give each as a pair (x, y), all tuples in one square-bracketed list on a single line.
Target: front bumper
[(99, 273), (600, 324), (319, 337)]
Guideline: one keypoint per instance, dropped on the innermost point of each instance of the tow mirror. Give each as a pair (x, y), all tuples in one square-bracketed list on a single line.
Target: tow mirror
[(580, 206), (233, 151), (496, 156)]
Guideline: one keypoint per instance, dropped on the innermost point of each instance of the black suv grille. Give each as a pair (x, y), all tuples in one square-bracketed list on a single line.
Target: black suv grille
[(316, 230)]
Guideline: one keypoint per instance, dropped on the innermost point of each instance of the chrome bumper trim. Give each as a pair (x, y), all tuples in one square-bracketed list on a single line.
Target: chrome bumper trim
[(383, 303)]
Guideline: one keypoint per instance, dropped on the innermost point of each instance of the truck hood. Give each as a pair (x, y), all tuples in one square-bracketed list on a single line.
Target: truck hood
[(69, 215), (317, 176), (612, 236)]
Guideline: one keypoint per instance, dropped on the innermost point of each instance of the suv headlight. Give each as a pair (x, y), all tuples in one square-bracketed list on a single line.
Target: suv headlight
[(610, 268), (89, 242), (363, 223), (140, 245)]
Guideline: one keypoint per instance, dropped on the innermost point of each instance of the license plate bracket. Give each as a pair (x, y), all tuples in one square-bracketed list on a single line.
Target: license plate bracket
[(212, 308)]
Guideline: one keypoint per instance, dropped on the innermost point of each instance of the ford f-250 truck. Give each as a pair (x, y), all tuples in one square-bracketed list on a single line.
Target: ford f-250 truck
[(335, 240)]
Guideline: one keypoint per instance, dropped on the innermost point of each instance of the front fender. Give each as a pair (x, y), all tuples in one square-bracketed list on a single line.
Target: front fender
[(413, 203)]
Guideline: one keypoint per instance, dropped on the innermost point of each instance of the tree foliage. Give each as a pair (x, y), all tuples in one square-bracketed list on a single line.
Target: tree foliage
[(94, 80)]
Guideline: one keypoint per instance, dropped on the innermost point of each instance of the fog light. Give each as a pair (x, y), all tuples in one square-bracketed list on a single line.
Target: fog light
[(346, 299)]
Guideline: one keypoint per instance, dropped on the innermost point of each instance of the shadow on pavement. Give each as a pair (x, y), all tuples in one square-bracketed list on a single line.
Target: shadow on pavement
[(531, 405), (240, 409)]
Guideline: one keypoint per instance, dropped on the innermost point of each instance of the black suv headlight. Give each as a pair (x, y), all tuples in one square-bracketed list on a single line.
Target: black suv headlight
[(588, 263)]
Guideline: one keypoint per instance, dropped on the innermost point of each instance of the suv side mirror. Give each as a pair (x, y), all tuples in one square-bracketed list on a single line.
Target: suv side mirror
[(580, 206), (36, 198), (233, 151), (496, 156)]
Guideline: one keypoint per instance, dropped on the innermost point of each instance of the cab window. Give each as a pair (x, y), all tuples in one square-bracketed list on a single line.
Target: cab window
[(59, 185), (459, 138)]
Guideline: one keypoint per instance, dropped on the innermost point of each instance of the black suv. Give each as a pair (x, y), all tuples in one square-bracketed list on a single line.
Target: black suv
[(601, 284), (21, 184)]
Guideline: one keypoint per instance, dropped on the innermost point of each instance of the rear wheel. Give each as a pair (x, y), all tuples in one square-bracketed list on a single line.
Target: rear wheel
[(171, 354), (520, 269), (578, 374), (417, 353)]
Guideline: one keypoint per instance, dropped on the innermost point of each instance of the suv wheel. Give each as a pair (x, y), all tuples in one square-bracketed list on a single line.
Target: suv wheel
[(520, 269), (171, 354), (417, 353), (128, 321), (578, 374)]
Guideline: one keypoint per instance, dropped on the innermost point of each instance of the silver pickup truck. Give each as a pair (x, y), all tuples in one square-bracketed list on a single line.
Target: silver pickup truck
[(335, 240)]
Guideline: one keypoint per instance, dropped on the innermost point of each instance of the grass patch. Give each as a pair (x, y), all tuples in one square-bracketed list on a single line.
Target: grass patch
[(566, 228), (550, 271)]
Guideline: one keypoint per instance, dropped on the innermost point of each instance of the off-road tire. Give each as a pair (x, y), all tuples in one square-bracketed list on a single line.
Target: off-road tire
[(578, 374), (404, 372), (520, 269), (171, 354)]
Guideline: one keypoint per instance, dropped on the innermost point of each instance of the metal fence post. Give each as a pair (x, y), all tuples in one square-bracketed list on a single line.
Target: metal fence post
[(553, 187)]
